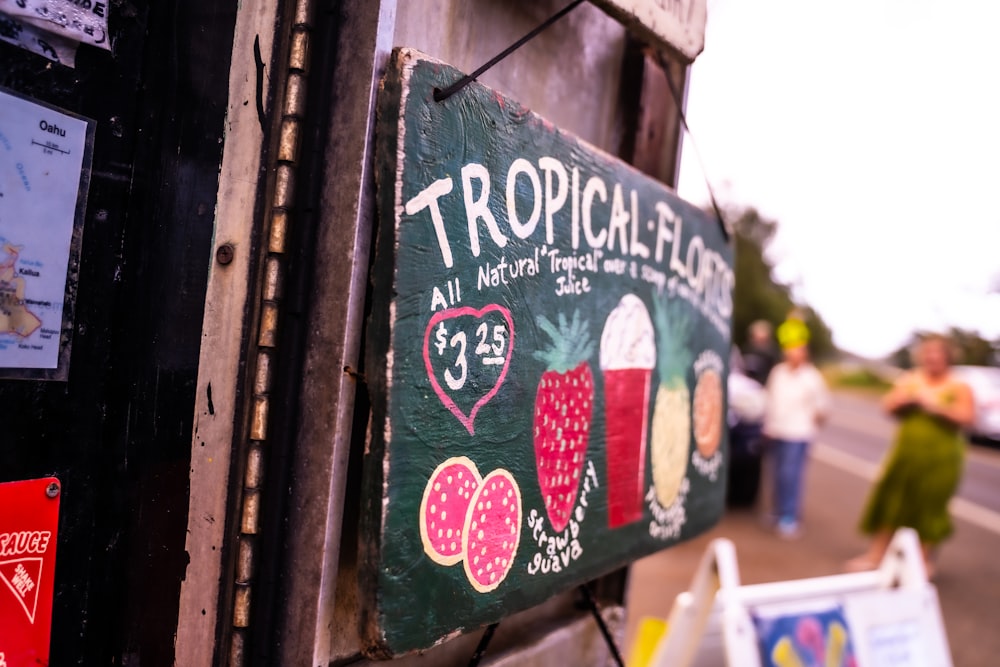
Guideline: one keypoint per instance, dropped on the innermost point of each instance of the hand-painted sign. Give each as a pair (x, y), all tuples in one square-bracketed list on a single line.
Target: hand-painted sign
[(29, 519), (676, 24), (547, 359)]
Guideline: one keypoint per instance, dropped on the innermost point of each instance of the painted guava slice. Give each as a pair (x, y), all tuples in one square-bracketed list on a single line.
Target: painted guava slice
[(444, 507), (492, 531)]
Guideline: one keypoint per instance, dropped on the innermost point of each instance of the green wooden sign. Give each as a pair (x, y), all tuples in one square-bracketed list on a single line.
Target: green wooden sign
[(547, 362)]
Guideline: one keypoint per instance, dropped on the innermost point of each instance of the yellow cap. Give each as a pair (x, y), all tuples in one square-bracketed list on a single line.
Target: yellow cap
[(793, 333)]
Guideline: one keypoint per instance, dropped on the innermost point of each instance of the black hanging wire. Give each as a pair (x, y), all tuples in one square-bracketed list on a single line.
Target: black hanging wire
[(442, 95), (588, 598), (687, 129), (484, 643)]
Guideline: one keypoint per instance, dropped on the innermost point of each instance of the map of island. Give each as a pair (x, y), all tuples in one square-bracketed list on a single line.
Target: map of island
[(15, 318), (44, 178)]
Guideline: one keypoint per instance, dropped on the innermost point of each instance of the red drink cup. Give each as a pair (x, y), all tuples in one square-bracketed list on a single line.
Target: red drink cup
[(628, 355)]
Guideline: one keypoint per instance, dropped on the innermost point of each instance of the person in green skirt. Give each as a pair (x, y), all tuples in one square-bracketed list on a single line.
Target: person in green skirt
[(924, 467)]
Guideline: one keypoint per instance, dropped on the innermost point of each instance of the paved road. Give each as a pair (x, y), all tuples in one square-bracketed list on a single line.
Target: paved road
[(844, 461), (860, 429), (859, 435)]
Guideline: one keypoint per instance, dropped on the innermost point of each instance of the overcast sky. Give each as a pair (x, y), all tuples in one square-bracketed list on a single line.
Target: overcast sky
[(870, 130)]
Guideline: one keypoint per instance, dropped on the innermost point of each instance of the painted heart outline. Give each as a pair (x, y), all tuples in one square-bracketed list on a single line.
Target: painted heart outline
[(467, 420)]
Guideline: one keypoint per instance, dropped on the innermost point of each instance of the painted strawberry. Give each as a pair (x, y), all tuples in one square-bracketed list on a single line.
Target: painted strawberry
[(563, 408)]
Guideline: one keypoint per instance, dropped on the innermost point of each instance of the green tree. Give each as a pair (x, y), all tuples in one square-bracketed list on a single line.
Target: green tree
[(758, 295), (970, 348)]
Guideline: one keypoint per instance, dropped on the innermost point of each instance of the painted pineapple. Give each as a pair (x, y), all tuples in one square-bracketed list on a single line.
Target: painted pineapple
[(671, 437), (563, 408)]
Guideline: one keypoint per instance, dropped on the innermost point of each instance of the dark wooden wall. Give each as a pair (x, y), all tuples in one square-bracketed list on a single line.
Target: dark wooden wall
[(118, 433)]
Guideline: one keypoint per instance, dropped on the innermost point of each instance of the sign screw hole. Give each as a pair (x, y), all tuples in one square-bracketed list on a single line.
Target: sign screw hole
[(224, 254), (52, 490)]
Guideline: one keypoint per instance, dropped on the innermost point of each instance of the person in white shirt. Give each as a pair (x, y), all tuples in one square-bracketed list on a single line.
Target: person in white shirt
[(797, 404)]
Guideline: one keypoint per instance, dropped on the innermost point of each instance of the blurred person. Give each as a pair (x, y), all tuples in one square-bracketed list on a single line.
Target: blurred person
[(744, 418), (923, 468), (760, 355), (797, 405)]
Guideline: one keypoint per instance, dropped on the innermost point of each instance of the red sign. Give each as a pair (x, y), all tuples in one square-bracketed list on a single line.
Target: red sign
[(29, 518)]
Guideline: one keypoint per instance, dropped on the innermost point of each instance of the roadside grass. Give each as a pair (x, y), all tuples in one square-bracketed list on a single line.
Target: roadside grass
[(855, 379)]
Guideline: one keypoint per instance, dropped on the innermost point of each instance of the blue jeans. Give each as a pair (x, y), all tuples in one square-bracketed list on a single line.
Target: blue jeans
[(789, 466)]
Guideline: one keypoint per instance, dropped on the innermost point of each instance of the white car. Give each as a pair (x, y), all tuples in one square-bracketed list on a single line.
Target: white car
[(985, 384)]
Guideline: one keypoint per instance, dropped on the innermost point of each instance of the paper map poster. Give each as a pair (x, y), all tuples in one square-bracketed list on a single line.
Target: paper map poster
[(41, 164)]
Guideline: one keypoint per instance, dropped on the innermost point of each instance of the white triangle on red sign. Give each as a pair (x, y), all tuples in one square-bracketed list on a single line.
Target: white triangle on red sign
[(23, 577)]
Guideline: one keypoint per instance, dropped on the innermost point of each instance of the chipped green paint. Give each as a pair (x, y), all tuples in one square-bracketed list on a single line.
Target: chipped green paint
[(496, 478)]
